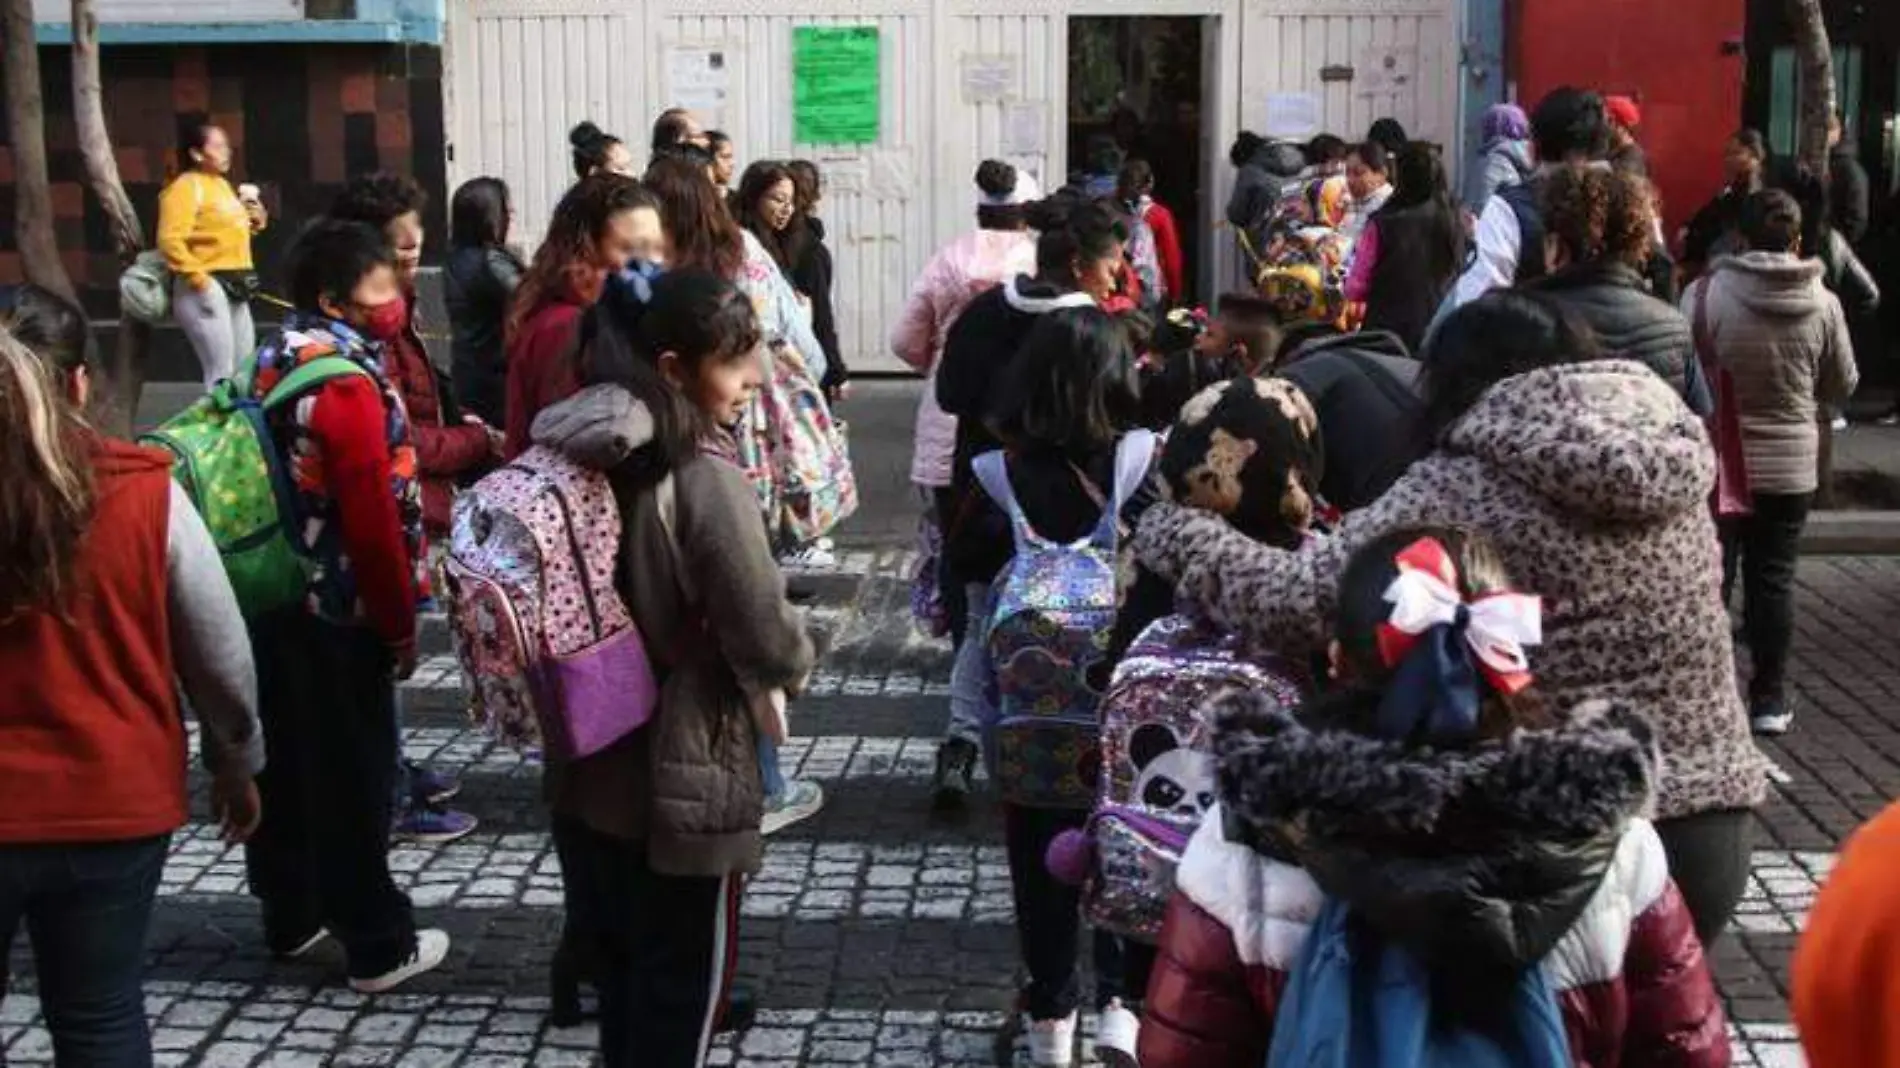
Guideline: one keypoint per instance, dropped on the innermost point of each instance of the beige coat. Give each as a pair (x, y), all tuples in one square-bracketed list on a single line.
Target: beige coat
[(710, 602), (1784, 341)]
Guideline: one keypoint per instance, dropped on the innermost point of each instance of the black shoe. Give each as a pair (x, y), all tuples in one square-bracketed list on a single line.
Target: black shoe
[(742, 1011), (799, 593), (1770, 717), (956, 771)]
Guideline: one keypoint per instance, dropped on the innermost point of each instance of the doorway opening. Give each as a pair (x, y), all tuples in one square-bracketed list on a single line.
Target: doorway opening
[(1138, 83)]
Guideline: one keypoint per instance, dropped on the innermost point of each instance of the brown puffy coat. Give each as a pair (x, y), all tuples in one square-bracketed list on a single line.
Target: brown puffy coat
[(688, 783)]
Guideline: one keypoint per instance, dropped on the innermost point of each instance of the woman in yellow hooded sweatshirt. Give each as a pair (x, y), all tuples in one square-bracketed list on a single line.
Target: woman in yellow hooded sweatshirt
[(204, 230)]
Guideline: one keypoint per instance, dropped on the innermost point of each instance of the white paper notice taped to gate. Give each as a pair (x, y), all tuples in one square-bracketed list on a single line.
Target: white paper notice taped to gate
[(1294, 115), (699, 78), (988, 79), (1026, 129), (845, 174)]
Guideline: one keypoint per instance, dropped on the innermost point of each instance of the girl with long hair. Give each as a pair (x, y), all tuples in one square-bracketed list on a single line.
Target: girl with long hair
[(113, 599), (602, 224), (480, 280), (813, 271), (656, 832)]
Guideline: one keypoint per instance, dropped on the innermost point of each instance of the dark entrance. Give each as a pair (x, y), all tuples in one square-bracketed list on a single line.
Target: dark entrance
[(1138, 82)]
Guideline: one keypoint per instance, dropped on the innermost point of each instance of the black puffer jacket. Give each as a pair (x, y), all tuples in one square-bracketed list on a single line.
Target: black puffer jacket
[(480, 285), (1614, 301), (1363, 387)]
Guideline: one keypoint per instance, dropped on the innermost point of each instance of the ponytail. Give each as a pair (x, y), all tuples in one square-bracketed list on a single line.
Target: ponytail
[(46, 488)]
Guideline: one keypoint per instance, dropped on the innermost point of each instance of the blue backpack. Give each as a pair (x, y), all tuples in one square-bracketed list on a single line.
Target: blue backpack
[(1357, 1002), (1053, 617)]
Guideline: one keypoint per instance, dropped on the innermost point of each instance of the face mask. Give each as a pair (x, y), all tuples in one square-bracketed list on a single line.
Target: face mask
[(638, 277), (386, 322)]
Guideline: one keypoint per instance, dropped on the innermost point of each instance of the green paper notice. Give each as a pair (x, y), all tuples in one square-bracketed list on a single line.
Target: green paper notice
[(834, 85)]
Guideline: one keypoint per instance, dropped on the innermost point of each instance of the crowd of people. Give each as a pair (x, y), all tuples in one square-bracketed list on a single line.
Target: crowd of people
[(1451, 504)]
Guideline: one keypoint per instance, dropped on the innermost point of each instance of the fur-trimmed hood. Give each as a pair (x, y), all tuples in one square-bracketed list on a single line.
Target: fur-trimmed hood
[(1480, 857)]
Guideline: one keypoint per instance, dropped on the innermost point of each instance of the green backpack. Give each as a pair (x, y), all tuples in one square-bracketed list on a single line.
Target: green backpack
[(224, 458)]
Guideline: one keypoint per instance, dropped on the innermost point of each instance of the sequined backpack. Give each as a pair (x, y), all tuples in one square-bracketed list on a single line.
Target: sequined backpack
[(552, 654), (1053, 616), (1157, 771)]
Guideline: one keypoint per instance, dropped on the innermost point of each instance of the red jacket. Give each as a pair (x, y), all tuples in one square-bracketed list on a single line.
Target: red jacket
[(442, 452), (1623, 958), (91, 745), (1168, 251), (540, 367)]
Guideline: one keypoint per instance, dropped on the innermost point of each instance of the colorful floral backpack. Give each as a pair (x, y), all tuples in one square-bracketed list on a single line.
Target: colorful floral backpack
[(1053, 617), (1157, 772), (927, 608), (552, 653), (796, 455)]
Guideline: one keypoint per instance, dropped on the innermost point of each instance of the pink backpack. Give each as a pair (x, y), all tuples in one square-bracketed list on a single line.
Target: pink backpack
[(552, 653)]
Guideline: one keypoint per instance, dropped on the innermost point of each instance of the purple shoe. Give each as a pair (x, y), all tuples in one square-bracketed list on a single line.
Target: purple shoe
[(432, 825), (431, 787)]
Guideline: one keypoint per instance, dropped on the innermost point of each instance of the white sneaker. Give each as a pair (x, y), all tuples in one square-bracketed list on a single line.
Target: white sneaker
[(432, 948), (1115, 1036), (1840, 423), (1052, 1042), (801, 800)]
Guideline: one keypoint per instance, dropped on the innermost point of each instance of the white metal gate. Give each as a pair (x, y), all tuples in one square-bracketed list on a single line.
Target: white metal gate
[(522, 72)]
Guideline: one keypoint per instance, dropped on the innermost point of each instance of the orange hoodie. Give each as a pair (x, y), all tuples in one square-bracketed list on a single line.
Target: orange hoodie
[(1847, 967)]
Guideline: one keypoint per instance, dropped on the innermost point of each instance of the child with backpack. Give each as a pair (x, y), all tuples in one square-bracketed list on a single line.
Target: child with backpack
[(656, 830), (343, 634), (1069, 471), (1424, 862)]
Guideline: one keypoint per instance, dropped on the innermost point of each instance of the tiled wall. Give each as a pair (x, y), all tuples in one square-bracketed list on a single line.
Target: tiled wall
[(302, 118)]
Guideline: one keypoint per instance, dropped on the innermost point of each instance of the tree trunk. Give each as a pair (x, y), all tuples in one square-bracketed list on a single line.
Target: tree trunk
[(95, 142), (125, 371), (26, 129), (1816, 59)]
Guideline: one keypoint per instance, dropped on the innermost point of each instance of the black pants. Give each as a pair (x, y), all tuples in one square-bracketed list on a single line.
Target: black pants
[(321, 857), (1765, 548), (1709, 860), (86, 907), (665, 944), (1049, 923)]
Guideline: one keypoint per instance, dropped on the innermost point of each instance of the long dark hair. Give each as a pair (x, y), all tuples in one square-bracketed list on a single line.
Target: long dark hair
[(1073, 386), (697, 316), (478, 214), (565, 262), (1500, 335), (1419, 182), (703, 233), (758, 180), (54, 328), (47, 493)]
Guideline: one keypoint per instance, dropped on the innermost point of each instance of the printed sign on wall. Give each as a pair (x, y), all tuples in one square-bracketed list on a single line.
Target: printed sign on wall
[(835, 85)]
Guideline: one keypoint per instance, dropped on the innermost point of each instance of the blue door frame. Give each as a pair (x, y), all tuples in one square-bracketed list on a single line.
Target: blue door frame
[(1481, 75)]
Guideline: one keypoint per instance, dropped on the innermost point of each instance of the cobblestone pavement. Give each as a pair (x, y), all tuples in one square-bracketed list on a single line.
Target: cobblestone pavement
[(875, 935)]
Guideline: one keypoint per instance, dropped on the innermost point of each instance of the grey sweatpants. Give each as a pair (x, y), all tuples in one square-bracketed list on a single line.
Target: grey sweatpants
[(220, 332)]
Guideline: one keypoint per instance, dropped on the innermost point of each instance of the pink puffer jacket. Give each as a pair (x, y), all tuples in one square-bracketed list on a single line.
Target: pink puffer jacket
[(953, 277)]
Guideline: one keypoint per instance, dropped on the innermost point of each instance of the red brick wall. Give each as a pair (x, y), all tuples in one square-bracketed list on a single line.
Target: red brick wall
[(302, 119)]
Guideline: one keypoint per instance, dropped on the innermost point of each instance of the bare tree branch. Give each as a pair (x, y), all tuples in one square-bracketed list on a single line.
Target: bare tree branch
[(95, 141), (26, 129)]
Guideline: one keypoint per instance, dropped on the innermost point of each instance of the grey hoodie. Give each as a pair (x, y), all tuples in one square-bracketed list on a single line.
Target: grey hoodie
[(1784, 341), (1506, 163), (1593, 481)]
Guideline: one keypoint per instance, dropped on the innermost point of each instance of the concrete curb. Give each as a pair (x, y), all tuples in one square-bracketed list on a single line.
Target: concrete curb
[(1852, 534)]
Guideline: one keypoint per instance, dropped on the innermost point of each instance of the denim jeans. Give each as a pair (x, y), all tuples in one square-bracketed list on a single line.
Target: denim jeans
[(769, 772), (1765, 548), (970, 674), (86, 908)]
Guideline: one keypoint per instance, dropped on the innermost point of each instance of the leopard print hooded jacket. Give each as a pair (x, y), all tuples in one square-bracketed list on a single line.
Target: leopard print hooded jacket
[(1593, 482)]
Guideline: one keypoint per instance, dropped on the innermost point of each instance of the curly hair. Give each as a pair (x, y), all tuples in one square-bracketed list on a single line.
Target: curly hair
[(566, 260), (1601, 216), (378, 198)]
